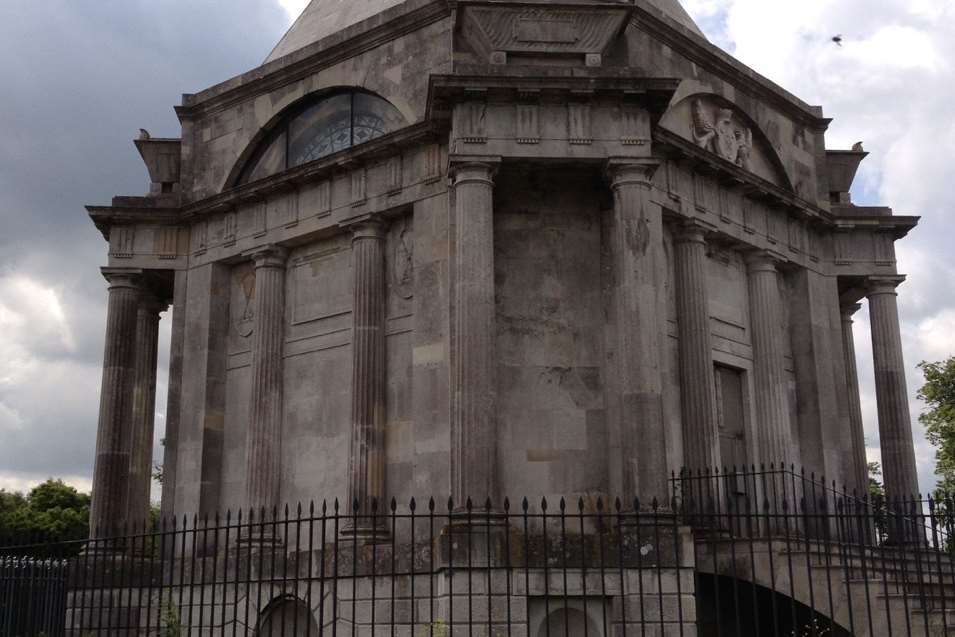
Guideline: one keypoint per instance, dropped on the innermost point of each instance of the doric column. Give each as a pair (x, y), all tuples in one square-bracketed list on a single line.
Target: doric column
[(263, 446), (860, 472), (895, 425), (637, 245), (772, 395), (474, 431), (111, 473), (366, 462), (144, 408), (700, 436)]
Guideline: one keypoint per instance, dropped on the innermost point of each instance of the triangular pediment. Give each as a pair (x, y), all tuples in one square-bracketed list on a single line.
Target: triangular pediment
[(723, 130)]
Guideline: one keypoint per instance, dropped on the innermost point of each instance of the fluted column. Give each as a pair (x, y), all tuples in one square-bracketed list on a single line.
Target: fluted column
[(860, 471), (144, 409), (474, 431), (700, 436), (895, 425), (263, 446), (637, 245), (773, 436), (111, 472), (366, 462)]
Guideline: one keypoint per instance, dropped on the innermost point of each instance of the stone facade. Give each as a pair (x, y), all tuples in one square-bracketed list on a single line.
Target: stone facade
[(599, 250)]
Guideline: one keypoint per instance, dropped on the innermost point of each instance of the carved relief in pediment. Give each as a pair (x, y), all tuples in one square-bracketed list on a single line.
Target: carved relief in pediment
[(723, 130), (718, 130)]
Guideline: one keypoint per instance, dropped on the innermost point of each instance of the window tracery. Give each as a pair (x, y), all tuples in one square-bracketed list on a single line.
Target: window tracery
[(321, 127)]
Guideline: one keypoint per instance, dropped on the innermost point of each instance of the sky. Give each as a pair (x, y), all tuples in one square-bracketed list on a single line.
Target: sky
[(89, 74)]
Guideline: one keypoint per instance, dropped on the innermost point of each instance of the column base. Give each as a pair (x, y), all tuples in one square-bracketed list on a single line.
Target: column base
[(363, 533)]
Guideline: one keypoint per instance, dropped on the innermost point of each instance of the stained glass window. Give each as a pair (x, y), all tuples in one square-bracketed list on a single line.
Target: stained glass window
[(321, 127)]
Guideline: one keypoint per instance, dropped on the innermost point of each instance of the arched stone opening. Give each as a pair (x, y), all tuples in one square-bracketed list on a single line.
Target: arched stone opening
[(728, 606), (286, 616)]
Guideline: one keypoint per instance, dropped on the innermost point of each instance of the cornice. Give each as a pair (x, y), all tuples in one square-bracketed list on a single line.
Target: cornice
[(444, 89), (355, 40), (714, 59), (899, 226), (117, 214)]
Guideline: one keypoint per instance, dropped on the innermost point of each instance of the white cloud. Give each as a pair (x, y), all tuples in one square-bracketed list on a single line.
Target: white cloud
[(23, 483), (294, 8)]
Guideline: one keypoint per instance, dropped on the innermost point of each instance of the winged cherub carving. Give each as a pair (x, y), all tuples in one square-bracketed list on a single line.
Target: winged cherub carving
[(722, 134)]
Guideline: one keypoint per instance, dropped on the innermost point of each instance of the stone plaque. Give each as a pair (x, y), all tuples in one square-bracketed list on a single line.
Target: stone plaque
[(543, 30)]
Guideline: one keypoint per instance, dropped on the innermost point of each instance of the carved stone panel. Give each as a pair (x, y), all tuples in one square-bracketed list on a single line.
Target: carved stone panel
[(533, 30), (721, 129), (400, 258), (242, 306)]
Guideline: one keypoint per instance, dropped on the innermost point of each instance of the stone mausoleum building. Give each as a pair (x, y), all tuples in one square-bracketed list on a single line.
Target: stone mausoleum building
[(486, 248)]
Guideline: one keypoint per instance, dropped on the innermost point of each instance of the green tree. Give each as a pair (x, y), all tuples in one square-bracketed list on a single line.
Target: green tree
[(50, 512), (938, 392)]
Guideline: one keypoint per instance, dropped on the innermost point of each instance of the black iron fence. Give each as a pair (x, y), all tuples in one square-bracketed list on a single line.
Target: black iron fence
[(754, 552)]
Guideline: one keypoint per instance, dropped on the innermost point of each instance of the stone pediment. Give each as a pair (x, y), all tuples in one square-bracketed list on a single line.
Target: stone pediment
[(723, 130), (496, 32)]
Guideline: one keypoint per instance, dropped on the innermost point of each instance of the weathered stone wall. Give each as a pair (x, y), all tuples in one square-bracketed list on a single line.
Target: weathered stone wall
[(552, 435)]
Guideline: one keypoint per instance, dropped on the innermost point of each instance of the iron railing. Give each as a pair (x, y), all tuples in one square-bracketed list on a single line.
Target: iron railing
[(752, 552)]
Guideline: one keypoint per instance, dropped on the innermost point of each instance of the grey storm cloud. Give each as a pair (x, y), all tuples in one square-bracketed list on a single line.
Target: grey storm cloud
[(80, 78)]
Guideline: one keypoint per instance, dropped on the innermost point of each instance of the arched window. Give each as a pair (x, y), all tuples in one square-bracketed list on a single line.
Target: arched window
[(319, 127)]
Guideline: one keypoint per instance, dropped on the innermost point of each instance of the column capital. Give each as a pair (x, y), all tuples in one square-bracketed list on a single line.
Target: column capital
[(883, 285), (761, 261), (122, 277), (632, 172), (691, 231), (473, 168), (367, 228), (848, 311), (268, 256), (151, 304)]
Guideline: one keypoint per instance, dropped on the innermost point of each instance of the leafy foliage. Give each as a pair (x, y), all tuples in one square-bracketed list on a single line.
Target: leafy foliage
[(938, 392), (50, 512)]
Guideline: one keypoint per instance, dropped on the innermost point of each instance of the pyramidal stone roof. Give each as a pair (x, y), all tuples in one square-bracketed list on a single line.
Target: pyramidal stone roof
[(322, 18)]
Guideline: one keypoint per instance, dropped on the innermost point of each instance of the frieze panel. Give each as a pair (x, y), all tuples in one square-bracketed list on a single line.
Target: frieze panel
[(315, 200), (528, 124), (167, 242), (122, 241), (579, 123)]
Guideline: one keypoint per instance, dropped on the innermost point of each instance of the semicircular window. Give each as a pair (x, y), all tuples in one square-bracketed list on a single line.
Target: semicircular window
[(320, 127)]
